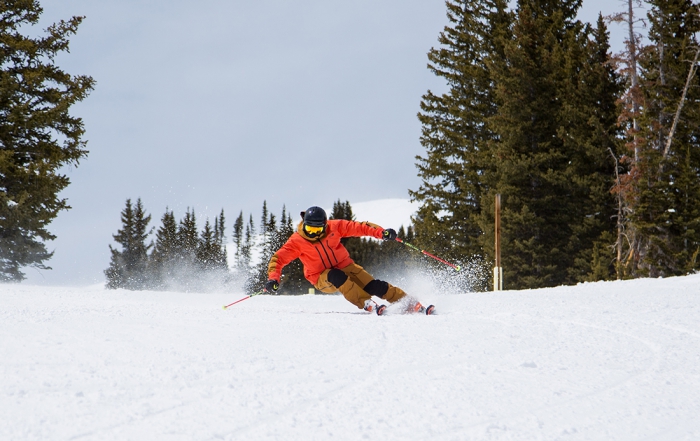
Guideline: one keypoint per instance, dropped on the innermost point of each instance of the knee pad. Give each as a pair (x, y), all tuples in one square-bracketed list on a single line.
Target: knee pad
[(377, 288), (337, 277)]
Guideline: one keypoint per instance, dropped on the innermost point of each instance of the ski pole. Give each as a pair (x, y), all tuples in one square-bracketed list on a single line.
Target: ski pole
[(456, 267), (246, 297)]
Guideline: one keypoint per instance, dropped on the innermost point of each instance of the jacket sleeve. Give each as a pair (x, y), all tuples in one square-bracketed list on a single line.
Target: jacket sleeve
[(358, 229), (280, 259)]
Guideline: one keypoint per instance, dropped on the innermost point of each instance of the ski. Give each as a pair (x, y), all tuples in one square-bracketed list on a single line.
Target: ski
[(412, 308)]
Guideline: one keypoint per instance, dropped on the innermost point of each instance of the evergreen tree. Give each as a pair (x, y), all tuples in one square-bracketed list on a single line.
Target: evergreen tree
[(220, 254), (293, 280), (248, 243), (165, 251), (238, 238), (603, 92), (129, 267), (188, 240), (281, 234), (666, 192), (342, 210), (393, 260), (547, 161), (355, 245), (592, 112), (454, 131), (38, 136), (207, 249), (268, 234), (255, 279), (188, 243)]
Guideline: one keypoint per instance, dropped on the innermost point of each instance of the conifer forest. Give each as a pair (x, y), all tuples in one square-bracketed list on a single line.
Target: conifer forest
[(183, 258), (596, 155)]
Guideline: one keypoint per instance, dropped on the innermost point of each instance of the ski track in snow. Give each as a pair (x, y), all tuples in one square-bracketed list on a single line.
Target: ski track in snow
[(598, 361)]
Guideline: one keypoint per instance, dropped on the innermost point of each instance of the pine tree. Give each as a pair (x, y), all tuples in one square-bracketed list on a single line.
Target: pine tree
[(221, 254), (342, 210), (605, 92), (38, 136), (165, 254), (293, 280), (238, 239), (547, 161), (207, 249), (188, 243), (268, 232), (129, 267), (188, 236), (393, 260), (255, 279), (594, 123), (454, 131), (354, 245), (248, 243), (666, 192)]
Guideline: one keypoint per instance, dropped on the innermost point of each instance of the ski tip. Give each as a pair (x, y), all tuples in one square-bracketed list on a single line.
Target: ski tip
[(381, 309), (430, 310), (224, 307)]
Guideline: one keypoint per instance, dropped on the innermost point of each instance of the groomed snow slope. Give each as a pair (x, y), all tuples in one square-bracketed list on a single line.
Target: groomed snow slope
[(601, 361)]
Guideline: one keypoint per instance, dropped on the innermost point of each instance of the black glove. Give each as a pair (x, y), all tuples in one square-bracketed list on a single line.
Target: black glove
[(272, 286), (389, 234)]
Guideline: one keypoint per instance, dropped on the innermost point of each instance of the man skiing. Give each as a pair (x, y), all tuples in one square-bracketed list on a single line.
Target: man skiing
[(327, 263)]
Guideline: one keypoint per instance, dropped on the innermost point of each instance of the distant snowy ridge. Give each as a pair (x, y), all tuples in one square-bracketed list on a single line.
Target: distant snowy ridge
[(389, 213)]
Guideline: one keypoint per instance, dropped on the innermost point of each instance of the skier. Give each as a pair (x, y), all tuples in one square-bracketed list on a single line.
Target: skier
[(327, 263)]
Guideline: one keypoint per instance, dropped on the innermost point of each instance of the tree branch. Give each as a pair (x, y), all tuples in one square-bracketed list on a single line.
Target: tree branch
[(691, 73)]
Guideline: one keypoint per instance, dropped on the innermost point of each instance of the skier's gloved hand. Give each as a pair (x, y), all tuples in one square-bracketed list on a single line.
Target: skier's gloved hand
[(272, 286), (389, 234)]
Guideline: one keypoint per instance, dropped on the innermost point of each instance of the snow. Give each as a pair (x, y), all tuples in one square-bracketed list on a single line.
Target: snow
[(596, 361)]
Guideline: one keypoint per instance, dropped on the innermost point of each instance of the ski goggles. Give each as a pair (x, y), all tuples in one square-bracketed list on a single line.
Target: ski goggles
[(313, 231)]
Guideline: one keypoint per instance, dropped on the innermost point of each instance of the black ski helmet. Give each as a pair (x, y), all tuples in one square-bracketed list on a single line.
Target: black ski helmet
[(314, 217)]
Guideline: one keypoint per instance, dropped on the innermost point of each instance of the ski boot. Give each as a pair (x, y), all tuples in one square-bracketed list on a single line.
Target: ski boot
[(371, 305), (417, 307)]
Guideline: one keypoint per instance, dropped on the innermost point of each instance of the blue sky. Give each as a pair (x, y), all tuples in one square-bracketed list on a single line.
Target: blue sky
[(223, 105)]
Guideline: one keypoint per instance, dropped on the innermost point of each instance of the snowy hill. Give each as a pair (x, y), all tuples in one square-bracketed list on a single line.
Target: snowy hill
[(389, 213), (598, 361)]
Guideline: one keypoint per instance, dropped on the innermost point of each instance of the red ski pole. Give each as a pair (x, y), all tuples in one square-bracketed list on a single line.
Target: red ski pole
[(244, 298), (456, 267)]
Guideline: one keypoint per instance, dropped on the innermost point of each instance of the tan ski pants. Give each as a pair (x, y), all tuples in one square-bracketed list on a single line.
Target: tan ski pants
[(354, 287)]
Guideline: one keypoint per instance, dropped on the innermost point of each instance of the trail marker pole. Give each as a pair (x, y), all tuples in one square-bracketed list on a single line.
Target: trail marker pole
[(498, 270)]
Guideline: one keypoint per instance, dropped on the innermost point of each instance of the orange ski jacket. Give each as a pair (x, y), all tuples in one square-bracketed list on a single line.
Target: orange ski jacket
[(321, 253)]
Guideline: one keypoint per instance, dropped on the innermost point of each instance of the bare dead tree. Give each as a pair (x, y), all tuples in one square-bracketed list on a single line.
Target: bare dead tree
[(632, 104), (618, 243), (629, 57), (689, 79)]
